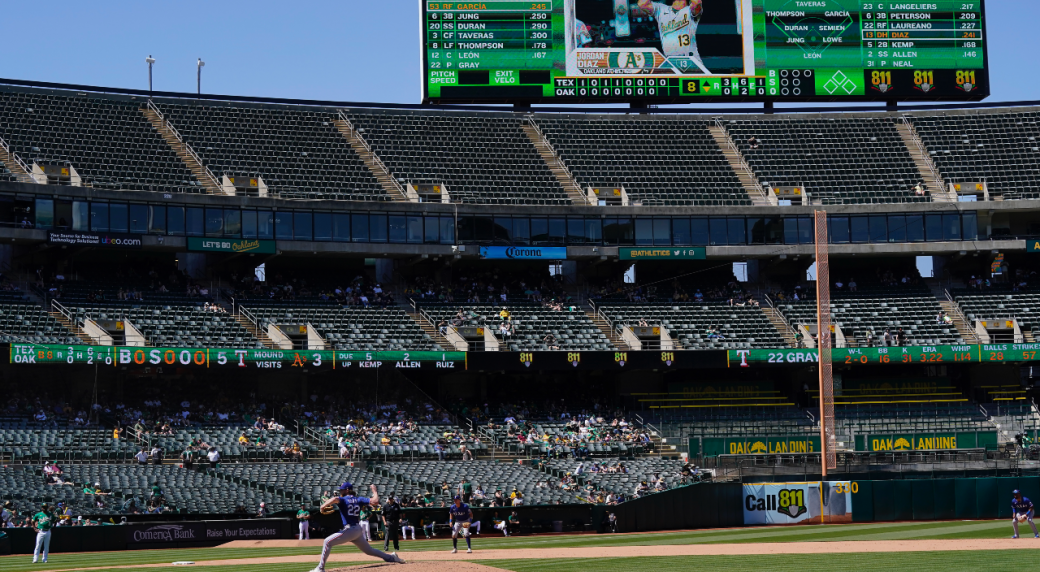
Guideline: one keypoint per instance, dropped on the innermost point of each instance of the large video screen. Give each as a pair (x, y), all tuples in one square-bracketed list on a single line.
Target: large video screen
[(675, 51)]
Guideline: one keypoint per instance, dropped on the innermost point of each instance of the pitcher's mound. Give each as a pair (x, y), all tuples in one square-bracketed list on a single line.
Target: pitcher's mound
[(452, 566)]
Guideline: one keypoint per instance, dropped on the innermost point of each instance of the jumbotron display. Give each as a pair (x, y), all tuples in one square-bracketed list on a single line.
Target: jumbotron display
[(685, 51)]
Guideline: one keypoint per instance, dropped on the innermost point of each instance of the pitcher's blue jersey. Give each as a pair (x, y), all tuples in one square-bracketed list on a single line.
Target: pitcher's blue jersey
[(1021, 506), (459, 513), (350, 508)]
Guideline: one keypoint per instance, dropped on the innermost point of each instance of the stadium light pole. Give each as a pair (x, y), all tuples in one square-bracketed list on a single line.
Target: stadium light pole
[(200, 65), (150, 60)]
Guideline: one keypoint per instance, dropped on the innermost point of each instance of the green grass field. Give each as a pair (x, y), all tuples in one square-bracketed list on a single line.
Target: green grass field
[(918, 561)]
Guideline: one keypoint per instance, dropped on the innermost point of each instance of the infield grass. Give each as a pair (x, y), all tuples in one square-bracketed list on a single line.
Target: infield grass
[(944, 561)]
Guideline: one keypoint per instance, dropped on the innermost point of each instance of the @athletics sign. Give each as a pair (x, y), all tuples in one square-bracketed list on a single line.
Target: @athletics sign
[(524, 252), (694, 253), (229, 245)]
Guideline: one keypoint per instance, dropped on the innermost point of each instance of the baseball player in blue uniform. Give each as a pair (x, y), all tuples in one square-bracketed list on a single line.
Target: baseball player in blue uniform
[(459, 518), (349, 507), (1023, 510)]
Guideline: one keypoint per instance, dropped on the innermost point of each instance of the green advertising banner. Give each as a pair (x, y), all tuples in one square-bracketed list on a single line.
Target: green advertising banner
[(227, 358), (926, 441), (713, 446), (231, 245), (688, 253), (986, 353)]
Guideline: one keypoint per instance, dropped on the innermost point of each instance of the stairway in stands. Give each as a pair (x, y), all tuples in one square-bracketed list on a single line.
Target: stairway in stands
[(925, 166), (739, 166), (559, 170), (780, 326), (431, 330), (184, 151), (255, 331), (608, 331), (393, 189)]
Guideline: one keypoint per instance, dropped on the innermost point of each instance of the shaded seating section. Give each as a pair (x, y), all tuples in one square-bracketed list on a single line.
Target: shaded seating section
[(177, 326), (225, 439), (998, 148), (714, 398), (886, 418), (186, 491), (429, 475), (481, 157), (27, 444), (418, 444), (354, 329), (297, 151), (573, 330), (305, 483), (623, 445), (639, 470), (28, 323), (978, 305), (659, 160), (26, 488), (107, 139), (838, 160), (858, 316), (87, 292), (689, 323), (762, 419)]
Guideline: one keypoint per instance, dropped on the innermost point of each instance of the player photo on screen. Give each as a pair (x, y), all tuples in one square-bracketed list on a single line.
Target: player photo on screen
[(663, 37)]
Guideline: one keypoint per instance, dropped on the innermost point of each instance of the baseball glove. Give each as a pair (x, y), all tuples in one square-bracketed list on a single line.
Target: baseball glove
[(465, 525), (328, 509), (1022, 517)]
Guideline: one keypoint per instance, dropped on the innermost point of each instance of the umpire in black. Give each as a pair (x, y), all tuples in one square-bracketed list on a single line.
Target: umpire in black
[(392, 522)]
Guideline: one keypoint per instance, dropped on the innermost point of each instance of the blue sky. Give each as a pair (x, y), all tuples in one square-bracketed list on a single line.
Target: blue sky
[(345, 50)]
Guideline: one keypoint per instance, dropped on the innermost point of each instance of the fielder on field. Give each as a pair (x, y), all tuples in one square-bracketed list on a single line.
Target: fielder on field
[(1023, 510), (459, 518), (42, 524), (349, 507), (677, 23), (304, 516)]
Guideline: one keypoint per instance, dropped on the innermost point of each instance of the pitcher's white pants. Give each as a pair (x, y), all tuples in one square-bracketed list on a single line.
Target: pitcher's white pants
[(350, 534)]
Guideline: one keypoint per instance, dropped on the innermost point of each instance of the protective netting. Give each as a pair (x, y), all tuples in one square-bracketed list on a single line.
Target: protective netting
[(825, 341)]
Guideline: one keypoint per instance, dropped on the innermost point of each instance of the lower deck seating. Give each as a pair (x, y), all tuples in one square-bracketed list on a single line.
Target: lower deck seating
[(354, 329), (308, 482), (178, 326), (860, 317), (489, 475), (639, 470), (572, 329), (29, 323), (689, 324)]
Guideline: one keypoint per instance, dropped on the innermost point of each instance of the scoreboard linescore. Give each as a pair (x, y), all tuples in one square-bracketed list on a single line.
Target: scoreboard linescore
[(684, 51)]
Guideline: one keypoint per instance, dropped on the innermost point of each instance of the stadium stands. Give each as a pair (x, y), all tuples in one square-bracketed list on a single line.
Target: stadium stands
[(24, 322), (177, 326), (106, 139), (659, 161), (638, 471), (838, 160), (479, 157), (997, 147), (981, 305), (571, 330), (859, 318), (186, 491), (354, 329), (488, 475), (298, 152), (692, 325), (308, 482)]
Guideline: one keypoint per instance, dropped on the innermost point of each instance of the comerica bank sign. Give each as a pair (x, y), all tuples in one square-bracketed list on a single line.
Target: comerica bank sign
[(524, 252)]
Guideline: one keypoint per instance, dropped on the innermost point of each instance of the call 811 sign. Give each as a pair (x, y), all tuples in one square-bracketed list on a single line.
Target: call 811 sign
[(702, 50)]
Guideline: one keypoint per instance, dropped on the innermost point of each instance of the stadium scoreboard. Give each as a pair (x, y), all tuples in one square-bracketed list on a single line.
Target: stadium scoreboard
[(684, 51)]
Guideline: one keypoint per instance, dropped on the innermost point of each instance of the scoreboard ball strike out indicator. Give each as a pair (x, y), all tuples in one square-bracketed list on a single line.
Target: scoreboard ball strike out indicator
[(685, 51)]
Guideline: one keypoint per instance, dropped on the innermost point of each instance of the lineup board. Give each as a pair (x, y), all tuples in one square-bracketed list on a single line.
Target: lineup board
[(676, 51)]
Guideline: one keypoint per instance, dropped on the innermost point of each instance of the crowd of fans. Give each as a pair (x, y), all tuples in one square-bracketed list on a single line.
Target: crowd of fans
[(489, 287), (358, 291), (133, 286)]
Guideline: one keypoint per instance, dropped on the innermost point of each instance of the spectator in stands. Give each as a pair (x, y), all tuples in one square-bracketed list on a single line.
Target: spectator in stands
[(262, 511), (852, 285), (214, 457), (442, 326), (550, 341), (467, 455), (142, 457), (753, 142), (919, 189)]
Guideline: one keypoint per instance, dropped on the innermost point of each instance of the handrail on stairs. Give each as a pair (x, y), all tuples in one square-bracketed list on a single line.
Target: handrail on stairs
[(958, 314), (936, 177), (743, 162), (187, 148), (375, 158)]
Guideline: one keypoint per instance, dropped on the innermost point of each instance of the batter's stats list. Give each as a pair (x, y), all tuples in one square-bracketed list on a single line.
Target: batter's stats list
[(573, 51)]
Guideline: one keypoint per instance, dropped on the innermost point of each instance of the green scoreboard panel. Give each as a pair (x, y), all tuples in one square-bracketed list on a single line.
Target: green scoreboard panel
[(685, 51)]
